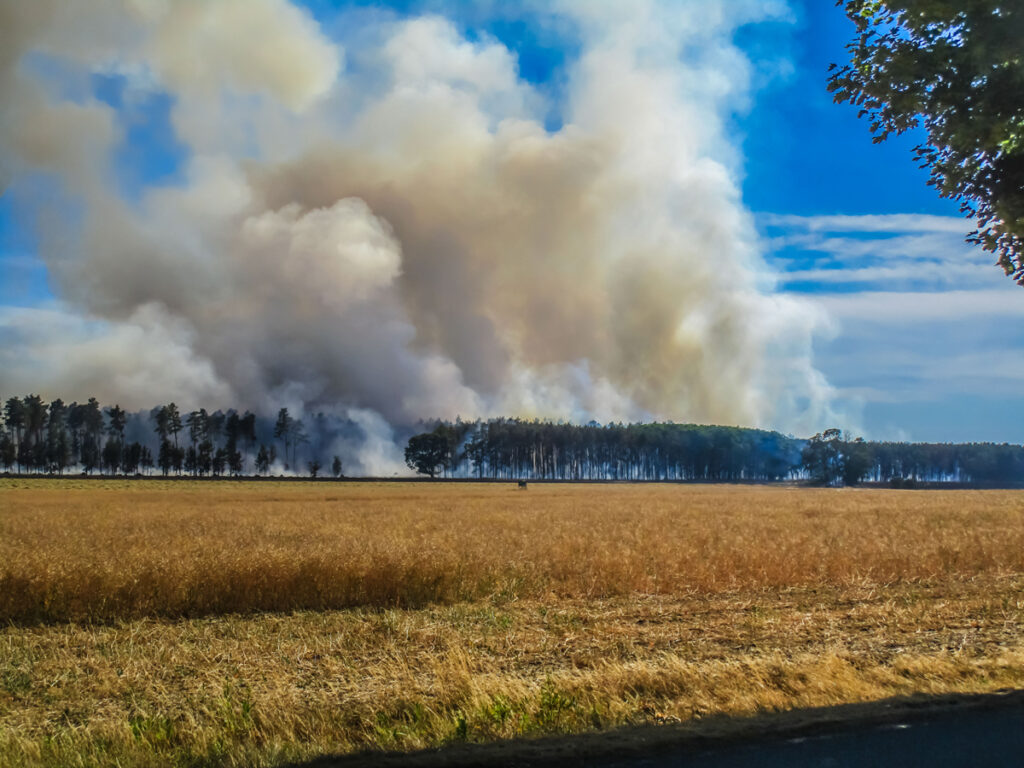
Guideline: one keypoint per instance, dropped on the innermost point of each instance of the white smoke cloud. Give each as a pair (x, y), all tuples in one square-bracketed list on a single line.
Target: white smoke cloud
[(421, 248), (203, 48), (148, 358), (376, 454), (337, 255)]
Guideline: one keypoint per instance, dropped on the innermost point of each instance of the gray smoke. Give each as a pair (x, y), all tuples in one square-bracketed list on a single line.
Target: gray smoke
[(403, 238)]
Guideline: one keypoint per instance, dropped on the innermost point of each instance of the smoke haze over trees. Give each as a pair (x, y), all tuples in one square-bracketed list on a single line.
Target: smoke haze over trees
[(57, 437), (512, 448), (409, 228)]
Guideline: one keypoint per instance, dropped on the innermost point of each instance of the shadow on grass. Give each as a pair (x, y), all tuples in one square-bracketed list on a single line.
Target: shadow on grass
[(953, 730)]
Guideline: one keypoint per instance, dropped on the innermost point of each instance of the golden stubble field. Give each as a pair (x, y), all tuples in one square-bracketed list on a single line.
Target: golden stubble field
[(243, 623)]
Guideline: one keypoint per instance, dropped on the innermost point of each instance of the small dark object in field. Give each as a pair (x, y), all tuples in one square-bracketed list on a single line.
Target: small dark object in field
[(522, 485)]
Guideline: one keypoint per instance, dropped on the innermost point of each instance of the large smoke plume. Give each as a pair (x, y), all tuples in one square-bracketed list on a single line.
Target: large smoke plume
[(392, 227)]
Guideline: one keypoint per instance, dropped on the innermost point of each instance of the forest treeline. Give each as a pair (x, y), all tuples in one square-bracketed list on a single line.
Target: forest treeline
[(516, 448), (53, 437), (56, 437), (513, 448)]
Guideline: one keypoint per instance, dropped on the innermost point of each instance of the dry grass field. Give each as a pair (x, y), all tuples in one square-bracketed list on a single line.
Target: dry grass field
[(255, 623)]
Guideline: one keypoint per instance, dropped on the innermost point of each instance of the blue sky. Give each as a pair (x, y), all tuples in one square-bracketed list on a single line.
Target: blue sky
[(924, 341), (918, 347)]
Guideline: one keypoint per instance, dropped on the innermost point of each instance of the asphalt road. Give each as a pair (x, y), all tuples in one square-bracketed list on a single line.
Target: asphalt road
[(958, 739), (963, 731)]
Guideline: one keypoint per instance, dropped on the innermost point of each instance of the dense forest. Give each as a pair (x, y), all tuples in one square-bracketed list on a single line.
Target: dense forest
[(514, 448), (511, 448), (56, 437), (831, 458)]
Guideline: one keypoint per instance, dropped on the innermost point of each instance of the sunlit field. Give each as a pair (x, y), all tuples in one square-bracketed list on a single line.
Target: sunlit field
[(254, 623)]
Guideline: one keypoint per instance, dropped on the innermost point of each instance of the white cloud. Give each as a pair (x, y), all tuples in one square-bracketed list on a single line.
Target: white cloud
[(887, 223), (921, 316), (943, 348), (894, 252), (952, 273), (886, 307)]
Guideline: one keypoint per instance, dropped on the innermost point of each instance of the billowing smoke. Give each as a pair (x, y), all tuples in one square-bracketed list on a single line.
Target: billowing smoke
[(396, 228)]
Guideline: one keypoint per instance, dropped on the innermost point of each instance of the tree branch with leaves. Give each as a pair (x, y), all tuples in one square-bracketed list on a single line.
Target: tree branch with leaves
[(956, 69)]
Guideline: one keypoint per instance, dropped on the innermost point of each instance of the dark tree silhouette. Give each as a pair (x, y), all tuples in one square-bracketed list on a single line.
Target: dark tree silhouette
[(115, 429), (822, 457), (58, 443), (112, 455), (283, 431), (33, 448), (134, 456), (166, 457), (196, 421), (92, 421), (174, 425), (856, 461), (8, 452), (146, 459), (219, 462), (263, 461), (299, 437), (429, 453), (215, 427), (161, 422)]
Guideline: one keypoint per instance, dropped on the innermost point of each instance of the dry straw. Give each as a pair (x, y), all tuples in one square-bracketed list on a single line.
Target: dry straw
[(101, 552)]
